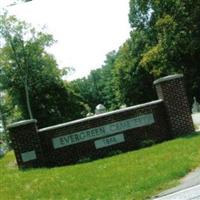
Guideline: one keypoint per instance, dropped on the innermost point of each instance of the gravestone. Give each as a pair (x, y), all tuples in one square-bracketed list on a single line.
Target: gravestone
[(196, 114), (100, 109), (195, 106)]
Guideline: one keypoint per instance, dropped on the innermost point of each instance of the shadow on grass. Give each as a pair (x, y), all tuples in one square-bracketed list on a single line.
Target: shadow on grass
[(82, 161), (191, 135), (91, 158)]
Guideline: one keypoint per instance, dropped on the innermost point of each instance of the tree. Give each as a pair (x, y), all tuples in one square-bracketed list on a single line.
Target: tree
[(173, 37), (31, 77), (16, 52), (89, 89), (109, 91), (134, 84), (98, 87), (2, 113)]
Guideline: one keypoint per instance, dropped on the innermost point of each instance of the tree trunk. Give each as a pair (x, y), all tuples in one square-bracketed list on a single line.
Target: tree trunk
[(28, 100), (3, 119)]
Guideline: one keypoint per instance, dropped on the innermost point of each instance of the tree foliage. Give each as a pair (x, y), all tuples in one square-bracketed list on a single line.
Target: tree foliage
[(31, 76), (165, 39), (98, 87), (173, 38), (134, 84)]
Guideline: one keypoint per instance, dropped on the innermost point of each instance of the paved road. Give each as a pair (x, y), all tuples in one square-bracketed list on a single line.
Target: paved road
[(192, 193), (189, 189)]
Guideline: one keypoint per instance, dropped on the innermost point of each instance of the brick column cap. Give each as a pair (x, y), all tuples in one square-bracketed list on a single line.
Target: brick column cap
[(167, 78), (22, 123)]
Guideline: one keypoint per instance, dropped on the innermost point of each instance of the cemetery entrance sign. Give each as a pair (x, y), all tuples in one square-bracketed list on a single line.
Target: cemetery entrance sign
[(96, 136), (102, 131)]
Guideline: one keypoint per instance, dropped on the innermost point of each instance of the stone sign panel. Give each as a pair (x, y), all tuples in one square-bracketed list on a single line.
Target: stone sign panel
[(102, 131), (108, 141), (29, 155)]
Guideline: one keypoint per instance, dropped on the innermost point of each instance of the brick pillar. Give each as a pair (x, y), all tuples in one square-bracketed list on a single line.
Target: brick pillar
[(26, 144), (172, 90)]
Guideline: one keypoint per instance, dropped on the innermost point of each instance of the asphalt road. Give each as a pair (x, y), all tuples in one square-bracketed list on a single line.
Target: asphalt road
[(192, 193), (189, 189)]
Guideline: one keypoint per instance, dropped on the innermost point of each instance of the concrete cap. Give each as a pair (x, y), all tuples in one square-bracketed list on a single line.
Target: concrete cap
[(101, 115), (22, 123), (167, 78)]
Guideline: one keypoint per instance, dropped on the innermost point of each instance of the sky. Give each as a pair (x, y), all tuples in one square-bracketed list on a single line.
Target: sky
[(85, 30)]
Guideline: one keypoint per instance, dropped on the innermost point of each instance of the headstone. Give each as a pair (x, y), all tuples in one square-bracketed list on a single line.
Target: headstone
[(100, 109), (89, 114), (123, 106), (195, 106)]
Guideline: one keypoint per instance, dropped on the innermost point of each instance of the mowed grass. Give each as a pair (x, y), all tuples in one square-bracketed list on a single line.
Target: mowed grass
[(133, 175)]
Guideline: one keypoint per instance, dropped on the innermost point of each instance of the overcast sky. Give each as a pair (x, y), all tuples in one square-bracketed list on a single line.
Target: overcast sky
[(85, 30)]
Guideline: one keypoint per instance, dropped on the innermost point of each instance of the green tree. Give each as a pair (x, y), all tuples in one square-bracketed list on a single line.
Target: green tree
[(173, 38), (31, 77), (99, 86), (109, 87), (134, 84), (89, 89), (14, 51)]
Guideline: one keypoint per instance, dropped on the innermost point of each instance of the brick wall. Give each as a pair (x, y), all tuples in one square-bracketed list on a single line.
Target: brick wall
[(171, 90), (157, 131), (26, 144)]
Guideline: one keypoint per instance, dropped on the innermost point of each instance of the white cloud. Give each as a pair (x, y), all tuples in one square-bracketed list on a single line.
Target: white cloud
[(85, 30)]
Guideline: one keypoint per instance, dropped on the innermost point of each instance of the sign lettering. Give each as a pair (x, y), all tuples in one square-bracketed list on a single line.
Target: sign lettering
[(109, 141), (102, 131)]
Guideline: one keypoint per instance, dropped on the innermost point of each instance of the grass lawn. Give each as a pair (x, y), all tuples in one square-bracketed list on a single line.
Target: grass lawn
[(133, 175)]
